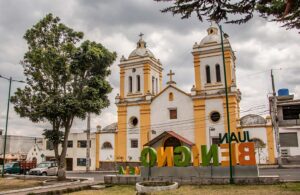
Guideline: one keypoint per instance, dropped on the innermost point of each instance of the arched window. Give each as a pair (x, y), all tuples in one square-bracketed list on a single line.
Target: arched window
[(130, 84), (138, 82), (156, 86), (153, 80), (171, 96), (106, 145), (207, 71), (218, 73)]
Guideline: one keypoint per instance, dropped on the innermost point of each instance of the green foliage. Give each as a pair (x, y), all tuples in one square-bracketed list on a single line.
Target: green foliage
[(64, 79), (284, 11)]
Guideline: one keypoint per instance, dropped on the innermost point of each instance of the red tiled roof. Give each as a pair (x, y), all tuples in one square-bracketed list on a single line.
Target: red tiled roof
[(169, 133)]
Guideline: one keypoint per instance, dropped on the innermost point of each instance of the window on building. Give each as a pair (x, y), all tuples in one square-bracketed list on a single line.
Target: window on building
[(133, 121), (138, 83), (218, 73), (106, 145), (156, 83), (215, 116), (81, 143), (171, 96), (81, 162), (49, 145), (291, 112), (130, 84), (288, 139), (153, 80), (173, 113), (215, 140), (70, 144), (134, 143), (207, 71)]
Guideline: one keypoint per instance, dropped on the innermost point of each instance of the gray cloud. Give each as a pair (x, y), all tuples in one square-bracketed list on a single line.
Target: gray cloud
[(259, 47)]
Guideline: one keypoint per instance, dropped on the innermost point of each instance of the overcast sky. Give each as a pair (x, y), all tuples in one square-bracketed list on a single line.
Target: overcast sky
[(259, 46)]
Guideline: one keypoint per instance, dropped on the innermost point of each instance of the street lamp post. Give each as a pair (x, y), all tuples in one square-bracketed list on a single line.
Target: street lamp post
[(6, 122), (227, 109)]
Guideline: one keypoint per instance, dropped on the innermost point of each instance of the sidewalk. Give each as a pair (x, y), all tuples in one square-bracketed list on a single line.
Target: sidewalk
[(63, 187), (276, 166)]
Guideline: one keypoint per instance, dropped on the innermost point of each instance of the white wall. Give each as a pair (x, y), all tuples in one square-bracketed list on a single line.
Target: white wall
[(210, 106), (76, 152), (107, 154), (211, 61), (128, 72), (160, 117), (35, 152), (261, 133), (294, 151), (133, 133)]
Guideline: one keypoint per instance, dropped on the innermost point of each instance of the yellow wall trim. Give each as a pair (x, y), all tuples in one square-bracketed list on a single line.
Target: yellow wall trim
[(122, 83), (199, 125), (121, 136), (146, 78), (270, 145), (145, 112), (197, 72)]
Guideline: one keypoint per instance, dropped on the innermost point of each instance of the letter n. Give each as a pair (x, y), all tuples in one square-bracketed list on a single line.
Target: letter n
[(212, 154)]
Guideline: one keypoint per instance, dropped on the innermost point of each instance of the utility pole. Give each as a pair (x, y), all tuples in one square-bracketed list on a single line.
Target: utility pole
[(88, 141), (227, 107), (275, 121), (6, 125), (10, 79)]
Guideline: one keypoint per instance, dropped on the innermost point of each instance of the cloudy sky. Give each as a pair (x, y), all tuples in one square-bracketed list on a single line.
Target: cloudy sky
[(259, 46)]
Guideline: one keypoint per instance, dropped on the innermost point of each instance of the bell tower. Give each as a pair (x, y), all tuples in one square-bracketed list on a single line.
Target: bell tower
[(140, 80), (209, 90)]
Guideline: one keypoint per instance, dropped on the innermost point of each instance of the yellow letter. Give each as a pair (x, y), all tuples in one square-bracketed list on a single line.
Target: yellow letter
[(165, 156), (196, 160), (226, 154)]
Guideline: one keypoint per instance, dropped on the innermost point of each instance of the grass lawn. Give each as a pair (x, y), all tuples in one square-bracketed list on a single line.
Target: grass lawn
[(289, 188), (14, 184)]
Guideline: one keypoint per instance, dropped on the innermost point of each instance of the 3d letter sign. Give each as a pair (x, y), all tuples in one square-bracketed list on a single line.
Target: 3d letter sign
[(181, 156)]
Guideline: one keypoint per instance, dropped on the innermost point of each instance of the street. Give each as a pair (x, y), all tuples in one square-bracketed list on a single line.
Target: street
[(287, 174)]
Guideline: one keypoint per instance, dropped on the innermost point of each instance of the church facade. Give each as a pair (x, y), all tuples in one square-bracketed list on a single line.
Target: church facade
[(157, 115), (150, 114)]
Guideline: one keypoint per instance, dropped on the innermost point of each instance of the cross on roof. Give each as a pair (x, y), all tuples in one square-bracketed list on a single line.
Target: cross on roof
[(141, 35), (171, 74)]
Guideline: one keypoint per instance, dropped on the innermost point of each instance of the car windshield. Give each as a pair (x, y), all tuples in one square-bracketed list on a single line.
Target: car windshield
[(43, 165), (8, 165)]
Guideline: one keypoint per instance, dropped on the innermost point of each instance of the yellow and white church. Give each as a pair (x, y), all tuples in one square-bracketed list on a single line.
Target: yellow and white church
[(153, 114)]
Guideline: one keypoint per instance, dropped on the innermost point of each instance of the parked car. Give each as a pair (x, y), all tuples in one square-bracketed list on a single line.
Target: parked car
[(19, 167), (45, 168), (12, 168)]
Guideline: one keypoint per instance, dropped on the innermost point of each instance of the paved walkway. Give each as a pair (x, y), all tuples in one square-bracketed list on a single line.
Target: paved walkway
[(55, 187)]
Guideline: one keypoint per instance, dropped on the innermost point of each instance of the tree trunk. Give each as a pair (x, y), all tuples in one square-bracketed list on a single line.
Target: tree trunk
[(61, 174)]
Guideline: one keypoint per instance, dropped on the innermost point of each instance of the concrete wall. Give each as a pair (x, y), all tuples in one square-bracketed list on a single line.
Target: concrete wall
[(18, 144)]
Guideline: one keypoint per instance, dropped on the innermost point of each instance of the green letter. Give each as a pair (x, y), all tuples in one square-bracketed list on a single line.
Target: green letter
[(121, 170), (182, 156), (152, 157), (213, 153)]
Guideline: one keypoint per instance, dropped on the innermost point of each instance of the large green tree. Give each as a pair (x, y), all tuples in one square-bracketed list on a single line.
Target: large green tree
[(287, 12), (65, 80)]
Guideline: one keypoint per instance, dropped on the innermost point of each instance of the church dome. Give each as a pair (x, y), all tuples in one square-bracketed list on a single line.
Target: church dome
[(213, 35), (141, 50)]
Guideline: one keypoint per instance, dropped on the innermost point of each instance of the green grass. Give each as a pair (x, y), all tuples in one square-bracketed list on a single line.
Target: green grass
[(287, 188)]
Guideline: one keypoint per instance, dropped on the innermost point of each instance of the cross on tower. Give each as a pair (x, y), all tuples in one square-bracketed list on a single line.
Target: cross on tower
[(171, 74), (141, 35)]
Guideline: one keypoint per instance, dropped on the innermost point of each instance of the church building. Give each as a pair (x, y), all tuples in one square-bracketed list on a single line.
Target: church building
[(153, 114)]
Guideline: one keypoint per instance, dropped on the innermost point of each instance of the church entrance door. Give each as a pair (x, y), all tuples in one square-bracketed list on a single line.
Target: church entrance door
[(172, 142)]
